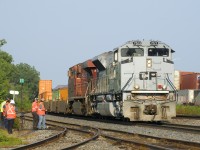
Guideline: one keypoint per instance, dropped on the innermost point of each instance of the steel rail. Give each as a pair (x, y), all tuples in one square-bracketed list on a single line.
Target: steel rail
[(42, 142), (194, 144), (187, 117), (52, 123), (174, 127), (145, 136), (95, 136), (155, 147)]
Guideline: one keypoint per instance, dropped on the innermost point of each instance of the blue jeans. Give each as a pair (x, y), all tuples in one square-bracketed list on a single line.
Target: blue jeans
[(42, 122), (10, 123), (5, 122)]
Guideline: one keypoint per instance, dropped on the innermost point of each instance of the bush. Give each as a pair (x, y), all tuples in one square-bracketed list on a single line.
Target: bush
[(188, 110), (17, 123), (24, 106)]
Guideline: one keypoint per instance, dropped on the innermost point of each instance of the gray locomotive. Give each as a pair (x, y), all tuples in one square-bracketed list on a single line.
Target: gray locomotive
[(134, 81)]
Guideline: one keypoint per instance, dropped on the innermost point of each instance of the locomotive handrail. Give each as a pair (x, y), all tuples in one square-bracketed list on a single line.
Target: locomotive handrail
[(127, 82), (172, 85)]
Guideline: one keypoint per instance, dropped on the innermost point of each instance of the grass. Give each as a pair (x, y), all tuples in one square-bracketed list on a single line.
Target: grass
[(10, 140), (7, 140), (187, 110)]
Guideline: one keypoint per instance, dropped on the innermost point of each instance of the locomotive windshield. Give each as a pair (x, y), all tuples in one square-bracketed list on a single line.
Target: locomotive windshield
[(158, 52), (127, 52)]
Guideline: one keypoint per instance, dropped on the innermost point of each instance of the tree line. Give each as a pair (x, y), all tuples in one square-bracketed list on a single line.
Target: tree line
[(10, 75)]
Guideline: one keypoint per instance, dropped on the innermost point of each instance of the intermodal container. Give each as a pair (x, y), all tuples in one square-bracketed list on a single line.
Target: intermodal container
[(60, 92), (45, 95), (64, 93), (45, 86), (55, 95), (190, 80)]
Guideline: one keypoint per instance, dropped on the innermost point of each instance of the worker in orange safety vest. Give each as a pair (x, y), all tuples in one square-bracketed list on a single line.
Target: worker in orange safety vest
[(34, 113), (5, 121), (41, 113), (10, 115)]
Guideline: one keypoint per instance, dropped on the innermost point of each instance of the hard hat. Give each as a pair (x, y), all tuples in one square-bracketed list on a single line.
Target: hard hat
[(12, 101)]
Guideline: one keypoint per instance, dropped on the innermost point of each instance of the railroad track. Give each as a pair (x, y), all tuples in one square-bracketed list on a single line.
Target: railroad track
[(145, 141), (92, 133), (161, 125), (44, 141), (175, 127), (187, 117), (150, 142)]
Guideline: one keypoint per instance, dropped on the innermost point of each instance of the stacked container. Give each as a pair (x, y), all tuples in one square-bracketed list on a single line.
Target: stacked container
[(45, 89), (190, 80), (186, 80), (60, 93)]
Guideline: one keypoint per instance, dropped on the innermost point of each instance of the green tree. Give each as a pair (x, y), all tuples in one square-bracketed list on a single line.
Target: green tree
[(31, 79), (10, 75), (6, 68)]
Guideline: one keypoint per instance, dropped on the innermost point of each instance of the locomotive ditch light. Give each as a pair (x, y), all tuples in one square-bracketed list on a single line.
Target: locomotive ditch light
[(136, 87), (164, 87)]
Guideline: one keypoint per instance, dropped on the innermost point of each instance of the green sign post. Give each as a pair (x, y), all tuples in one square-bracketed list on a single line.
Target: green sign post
[(21, 81)]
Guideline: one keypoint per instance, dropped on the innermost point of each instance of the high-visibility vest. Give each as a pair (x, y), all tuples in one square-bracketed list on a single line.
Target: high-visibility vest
[(10, 111), (34, 106), (41, 109)]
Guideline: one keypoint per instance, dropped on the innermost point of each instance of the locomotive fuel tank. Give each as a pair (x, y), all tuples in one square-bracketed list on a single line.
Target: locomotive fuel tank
[(106, 109)]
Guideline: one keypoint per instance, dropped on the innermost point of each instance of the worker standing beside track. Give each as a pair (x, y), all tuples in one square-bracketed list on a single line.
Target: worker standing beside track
[(5, 121), (10, 115), (34, 113), (41, 113), (1, 114)]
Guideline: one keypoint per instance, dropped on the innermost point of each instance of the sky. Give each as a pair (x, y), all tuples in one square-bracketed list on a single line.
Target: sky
[(53, 35)]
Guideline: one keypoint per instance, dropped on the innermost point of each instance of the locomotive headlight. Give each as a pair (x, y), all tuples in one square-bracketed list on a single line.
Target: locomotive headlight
[(136, 87), (149, 63), (164, 87)]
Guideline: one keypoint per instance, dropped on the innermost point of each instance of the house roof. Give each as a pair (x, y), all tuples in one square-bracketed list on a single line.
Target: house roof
[(60, 87)]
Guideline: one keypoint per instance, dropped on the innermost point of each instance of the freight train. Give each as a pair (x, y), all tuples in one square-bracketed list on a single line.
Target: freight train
[(133, 81)]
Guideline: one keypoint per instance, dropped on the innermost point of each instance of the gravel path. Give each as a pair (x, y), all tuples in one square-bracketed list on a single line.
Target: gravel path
[(102, 143), (139, 130)]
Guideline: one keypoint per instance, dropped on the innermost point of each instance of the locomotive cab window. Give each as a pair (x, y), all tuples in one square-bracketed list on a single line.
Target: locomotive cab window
[(127, 52), (158, 52)]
